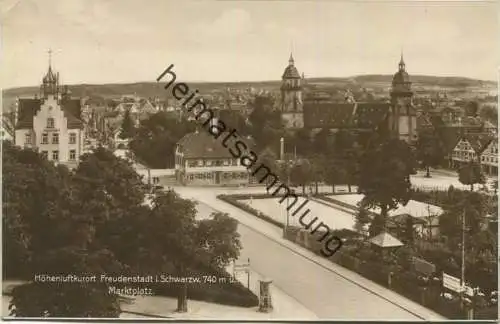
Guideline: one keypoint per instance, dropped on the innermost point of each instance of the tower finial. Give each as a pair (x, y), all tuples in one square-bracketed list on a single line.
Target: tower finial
[(50, 57), (290, 60), (401, 61)]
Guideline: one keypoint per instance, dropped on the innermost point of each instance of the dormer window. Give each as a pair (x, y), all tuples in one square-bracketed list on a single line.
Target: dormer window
[(50, 122)]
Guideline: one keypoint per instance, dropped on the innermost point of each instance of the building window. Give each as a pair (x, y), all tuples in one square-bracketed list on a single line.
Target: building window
[(50, 122), (72, 155), (72, 138), (27, 139), (208, 163), (45, 154), (200, 162), (55, 155), (45, 138), (55, 138), (234, 162), (156, 180), (226, 162)]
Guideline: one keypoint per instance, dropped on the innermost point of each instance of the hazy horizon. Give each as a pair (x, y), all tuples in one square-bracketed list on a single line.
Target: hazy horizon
[(130, 41)]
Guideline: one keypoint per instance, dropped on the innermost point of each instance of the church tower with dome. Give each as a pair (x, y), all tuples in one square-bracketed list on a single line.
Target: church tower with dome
[(291, 96), (403, 119)]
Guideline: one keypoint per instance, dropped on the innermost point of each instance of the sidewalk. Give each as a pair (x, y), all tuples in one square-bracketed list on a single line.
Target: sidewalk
[(275, 234)]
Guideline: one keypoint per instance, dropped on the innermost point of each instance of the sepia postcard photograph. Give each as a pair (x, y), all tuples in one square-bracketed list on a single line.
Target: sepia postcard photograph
[(169, 160)]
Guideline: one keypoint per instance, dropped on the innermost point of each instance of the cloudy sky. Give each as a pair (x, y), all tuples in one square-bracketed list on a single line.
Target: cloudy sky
[(101, 41)]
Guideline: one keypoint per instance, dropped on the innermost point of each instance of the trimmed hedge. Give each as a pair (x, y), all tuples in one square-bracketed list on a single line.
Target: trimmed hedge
[(231, 294), (233, 200)]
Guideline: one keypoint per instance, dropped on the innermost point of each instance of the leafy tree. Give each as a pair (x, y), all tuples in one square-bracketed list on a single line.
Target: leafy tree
[(35, 197), (302, 141), (269, 159), (322, 141), (362, 218), (334, 173), (155, 140), (409, 232), (472, 108), (470, 174), (301, 174), (489, 113), (385, 178), (347, 152), (266, 125), (218, 238), (171, 236), (128, 126), (430, 151), (473, 205), (318, 170), (103, 172), (51, 232)]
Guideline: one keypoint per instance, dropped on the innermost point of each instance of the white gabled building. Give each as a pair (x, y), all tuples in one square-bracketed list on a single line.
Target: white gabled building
[(51, 123)]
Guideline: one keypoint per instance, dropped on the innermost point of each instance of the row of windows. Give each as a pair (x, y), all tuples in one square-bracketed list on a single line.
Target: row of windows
[(491, 159), (211, 175), (55, 155), (55, 138), (200, 176), (209, 163)]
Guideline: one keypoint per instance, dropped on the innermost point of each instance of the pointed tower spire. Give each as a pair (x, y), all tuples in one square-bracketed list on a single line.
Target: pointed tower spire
[(402, 62), (290, 60), (50, 57)]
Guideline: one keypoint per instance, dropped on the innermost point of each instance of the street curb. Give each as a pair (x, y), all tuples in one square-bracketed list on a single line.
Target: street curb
[(305, 251)]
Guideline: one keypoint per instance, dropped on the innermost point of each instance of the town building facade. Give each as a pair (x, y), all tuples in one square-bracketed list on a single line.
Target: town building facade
[(398, 116), (200, 159), (489, 158), (51, 123), (479, 148)]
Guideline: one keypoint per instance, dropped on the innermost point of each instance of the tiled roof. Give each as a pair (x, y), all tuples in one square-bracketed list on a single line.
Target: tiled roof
[(339, 115), (385, 239), (29, 107), (479, 142), (26, 110), (73, 112), (202, 144), (370, 115)]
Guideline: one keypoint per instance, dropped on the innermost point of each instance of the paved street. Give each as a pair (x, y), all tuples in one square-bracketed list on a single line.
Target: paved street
[(309, 281)]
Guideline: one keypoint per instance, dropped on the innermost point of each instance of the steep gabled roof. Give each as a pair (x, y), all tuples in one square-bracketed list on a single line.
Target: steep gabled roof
[(28, 108), (320, 114), (73, 112), (479, 142), (202, 144)]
